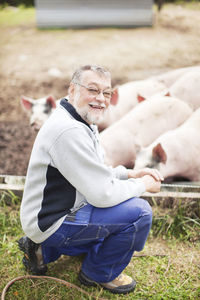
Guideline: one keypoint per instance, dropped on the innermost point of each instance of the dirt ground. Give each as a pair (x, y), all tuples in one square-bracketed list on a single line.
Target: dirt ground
[(36, 63)]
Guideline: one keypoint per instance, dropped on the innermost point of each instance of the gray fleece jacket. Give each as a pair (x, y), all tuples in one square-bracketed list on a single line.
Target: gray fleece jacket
[(66, 171)]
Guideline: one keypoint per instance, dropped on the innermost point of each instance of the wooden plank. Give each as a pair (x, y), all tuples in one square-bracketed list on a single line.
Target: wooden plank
[(12, 183), (171, 194), (158, 197), (16, 189), (12, 179), (11, 187)]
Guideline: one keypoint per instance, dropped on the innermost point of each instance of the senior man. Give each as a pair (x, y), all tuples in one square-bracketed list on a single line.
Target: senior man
[(73, 203)]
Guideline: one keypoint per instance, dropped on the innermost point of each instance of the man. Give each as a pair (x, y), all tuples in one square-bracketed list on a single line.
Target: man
[(73, 203)]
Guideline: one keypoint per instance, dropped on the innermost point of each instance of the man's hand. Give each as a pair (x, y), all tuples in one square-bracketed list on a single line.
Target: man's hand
[(146, 171), (152, 185), (151, 177)]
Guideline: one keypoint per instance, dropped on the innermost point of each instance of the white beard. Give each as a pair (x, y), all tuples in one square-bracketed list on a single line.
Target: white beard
[(89, 117)]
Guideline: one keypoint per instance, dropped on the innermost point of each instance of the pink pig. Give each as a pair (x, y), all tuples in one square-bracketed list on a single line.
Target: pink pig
[(140, 127), (187, 88), (127, 96), (176, 152), (170, 77)]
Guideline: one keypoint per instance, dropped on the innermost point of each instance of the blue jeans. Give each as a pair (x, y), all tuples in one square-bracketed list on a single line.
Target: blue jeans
[(108, 236)]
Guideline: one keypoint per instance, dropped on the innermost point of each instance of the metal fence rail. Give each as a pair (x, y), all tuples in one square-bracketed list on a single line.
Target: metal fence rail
[(187, 190)]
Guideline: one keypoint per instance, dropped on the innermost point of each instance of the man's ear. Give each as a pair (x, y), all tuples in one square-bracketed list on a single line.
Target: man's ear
[(71, 91)]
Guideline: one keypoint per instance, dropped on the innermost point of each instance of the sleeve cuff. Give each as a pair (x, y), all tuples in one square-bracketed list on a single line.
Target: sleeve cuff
[(121, 172), (140, 185)]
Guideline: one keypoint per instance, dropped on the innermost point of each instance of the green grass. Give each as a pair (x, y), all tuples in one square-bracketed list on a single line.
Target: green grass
[(181, 220), (10, 17), (169, 269), (192, 4)]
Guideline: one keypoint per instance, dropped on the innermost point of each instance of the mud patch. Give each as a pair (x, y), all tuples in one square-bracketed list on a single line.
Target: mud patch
[(16, 142)]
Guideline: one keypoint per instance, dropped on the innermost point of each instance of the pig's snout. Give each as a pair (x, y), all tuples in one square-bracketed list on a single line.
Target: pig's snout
[(36, 126)]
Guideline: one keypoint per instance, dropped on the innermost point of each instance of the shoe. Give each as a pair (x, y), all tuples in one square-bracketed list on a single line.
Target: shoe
[(122, 284), (32, 259)]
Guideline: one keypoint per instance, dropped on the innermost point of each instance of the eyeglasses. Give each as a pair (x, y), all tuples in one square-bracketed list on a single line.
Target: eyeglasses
[(95, 91)]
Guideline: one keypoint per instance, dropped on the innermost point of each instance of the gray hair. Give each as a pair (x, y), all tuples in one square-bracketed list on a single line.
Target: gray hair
[(76, 77)]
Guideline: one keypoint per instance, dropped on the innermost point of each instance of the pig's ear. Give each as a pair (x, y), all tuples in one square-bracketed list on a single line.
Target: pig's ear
[(27, 103), (51, 101), (159, 154), (114, 97), (140, 98), (167, 94)]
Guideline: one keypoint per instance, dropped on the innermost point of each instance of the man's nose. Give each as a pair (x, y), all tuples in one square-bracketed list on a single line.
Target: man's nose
[(100, 96)]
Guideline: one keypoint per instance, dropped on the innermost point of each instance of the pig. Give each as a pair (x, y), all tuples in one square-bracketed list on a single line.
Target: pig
[(127, 96), (170, 77), (187, 88), (140, 127), (38, 110), (176, 152)]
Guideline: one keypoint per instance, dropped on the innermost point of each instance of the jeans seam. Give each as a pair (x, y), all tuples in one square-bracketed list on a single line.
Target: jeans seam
[(132, 243), (144, 214)]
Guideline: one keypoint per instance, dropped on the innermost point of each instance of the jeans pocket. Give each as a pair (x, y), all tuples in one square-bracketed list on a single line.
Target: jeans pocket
[(88, 234)]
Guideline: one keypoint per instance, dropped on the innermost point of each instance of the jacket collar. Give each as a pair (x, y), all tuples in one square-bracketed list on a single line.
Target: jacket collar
[(64, 102)]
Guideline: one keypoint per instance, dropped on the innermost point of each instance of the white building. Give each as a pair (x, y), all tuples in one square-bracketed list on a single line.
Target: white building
[(93, 13)]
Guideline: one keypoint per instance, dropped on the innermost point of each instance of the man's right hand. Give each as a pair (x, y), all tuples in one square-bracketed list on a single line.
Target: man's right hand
[(152, 185)]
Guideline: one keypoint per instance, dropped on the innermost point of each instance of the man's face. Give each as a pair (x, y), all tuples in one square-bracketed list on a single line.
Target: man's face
[(90, 96)]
